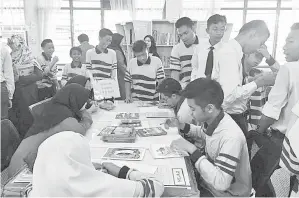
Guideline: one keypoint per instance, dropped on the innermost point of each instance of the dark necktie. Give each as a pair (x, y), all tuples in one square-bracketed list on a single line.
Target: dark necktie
[(210, 62), (243, 70)]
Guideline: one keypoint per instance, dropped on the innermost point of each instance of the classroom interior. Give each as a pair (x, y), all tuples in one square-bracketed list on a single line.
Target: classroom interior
[(130, 139)]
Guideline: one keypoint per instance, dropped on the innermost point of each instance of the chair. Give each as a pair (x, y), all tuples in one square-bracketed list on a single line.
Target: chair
[(36, 109), (10, 141)]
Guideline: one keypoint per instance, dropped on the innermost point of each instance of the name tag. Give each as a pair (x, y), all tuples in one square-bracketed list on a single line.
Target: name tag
[(178, 176)]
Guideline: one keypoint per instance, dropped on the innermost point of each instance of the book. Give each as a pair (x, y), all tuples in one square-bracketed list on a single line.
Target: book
[(118, 134), (127, 116), (147, 104), (159, 114), (136, 154), (161, 151), (130, 123), (154, 131)]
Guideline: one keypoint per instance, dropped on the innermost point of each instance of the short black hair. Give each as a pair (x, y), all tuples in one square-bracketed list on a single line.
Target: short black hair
[(204, 91), (139, 46), (295, 26), (169, 86), (45, 42), (258, 25), (104, 32), (215, 19), (184, 21), (75, 49), (83, 37)]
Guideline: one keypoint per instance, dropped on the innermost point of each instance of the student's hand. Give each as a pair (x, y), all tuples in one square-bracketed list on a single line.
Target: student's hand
[(263, 50), (128, 100), (111, 168), (171, 122), (183, 145), (94, 108), (9, 104), (55, 59), (266, 79)]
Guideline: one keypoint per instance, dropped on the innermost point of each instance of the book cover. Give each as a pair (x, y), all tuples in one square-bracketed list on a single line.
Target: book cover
[(161, 151), (154, 131), (135, 154)]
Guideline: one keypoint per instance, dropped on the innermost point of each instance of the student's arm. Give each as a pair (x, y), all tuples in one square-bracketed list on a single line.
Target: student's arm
[(175, 64), (8, 73), (48, 68), (191, 130), (274, 65), (277, 99), (194, 64), (64, 75), (160, 75), (120, 61), (114, 66), (128, 82)]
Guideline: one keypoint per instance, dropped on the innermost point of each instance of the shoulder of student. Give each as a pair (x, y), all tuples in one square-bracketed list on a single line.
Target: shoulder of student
[(40, 59), (176, 47), (156, 60), (4, 51), (226, 48), (133, 61), (111, 51), (71, 124), (90, 50)]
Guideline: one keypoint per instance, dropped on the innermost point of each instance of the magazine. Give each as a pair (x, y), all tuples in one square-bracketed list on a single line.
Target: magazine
[(124, 154), (127, 116), (161, 151), (153, 131)]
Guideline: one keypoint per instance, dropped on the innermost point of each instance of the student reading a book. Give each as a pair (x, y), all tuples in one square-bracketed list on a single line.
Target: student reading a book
[(181, 54), (151, 45), (142, 74), (65, 111), (49, 84), (84, 46), (68, 153), (203, 57), (75, 67), (28, 72), (224, 168), (102, 61)]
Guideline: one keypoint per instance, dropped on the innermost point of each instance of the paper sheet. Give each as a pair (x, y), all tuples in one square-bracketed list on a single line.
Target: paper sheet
[(144, 168)]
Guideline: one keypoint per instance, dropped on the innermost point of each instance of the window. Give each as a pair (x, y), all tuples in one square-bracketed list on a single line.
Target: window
[(232, 4), (87, 3), (262, 4), (111, 20), (236, 18)]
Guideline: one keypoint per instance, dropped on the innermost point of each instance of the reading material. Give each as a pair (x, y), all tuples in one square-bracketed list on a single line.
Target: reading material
[(127, 116), (160, 151), (118, 134), (154, 131), (124, 154)]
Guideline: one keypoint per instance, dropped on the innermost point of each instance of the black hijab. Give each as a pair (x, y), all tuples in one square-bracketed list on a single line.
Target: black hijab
[(115, 44), (66, 103), (81, 80)]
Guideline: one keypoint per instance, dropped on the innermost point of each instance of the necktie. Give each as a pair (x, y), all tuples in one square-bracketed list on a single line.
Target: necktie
[(210, 62), (243, 70)]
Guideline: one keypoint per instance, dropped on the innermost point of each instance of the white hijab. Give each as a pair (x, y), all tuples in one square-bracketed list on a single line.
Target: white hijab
[(63, 168)]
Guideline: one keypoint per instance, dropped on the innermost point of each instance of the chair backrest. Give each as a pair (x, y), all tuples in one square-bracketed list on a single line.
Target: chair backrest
[(36, 109), (10, 141)]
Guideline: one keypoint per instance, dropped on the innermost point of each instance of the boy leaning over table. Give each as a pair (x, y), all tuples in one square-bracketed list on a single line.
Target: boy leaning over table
[(224, 168)]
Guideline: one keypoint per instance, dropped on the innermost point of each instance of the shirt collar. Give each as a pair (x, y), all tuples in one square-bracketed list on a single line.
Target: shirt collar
[(148, 61), (195, 42), (178, 106), (73, 66), (46, 57), (99, 51), (216, 46), (209, 129)]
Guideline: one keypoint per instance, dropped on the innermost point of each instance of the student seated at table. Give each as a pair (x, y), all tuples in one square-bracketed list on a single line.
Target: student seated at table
[(142, 74), (75, 67), (224, 168), (63, 168), (64, 112)]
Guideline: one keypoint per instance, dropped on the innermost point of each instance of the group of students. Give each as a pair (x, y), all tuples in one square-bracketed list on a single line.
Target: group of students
[(210, 88)]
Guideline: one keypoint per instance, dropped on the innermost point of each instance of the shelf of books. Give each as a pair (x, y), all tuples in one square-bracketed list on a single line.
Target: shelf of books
[(164, 33)]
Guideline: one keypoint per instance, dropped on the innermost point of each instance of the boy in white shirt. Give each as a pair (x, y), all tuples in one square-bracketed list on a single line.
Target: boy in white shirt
[(203, 57)]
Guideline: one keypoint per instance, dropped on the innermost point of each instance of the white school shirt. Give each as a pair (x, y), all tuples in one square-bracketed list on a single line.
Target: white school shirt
[(283, 96), (228, 72), (200, 56)]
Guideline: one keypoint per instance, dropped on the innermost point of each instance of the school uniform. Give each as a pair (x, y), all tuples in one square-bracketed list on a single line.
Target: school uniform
[(101, 64), (203, 56), (289, 156), (228, 71), (180, 60), (143, 78), (224, 169), (70, 70)]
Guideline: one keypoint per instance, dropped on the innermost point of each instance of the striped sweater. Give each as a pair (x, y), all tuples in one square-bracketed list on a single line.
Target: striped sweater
[(143, 78), (101, 64)]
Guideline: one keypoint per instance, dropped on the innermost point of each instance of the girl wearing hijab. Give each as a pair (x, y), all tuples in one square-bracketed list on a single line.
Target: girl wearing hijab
[(63, 168), (63, 112), (27, 73), (121, 62), (151, 45)]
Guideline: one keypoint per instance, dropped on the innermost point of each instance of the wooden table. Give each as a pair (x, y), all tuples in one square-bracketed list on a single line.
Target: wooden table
[(98, 147)]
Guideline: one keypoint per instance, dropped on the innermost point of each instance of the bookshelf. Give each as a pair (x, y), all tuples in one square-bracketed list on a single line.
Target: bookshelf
[(164, 33)]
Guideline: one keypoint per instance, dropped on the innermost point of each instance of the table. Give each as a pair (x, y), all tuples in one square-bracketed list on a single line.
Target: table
[(98, 147)]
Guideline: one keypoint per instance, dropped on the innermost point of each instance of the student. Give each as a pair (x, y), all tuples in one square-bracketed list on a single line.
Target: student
[(170, 90), (75, 68), (121, 63), (7, 82), (103, 62), (229, 72), (224, 168), (181, 54), (151, 45), (49, 84), (68, 153), (142, 74), (63, 113), (203, 57), (84, 46), (289, 157)]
